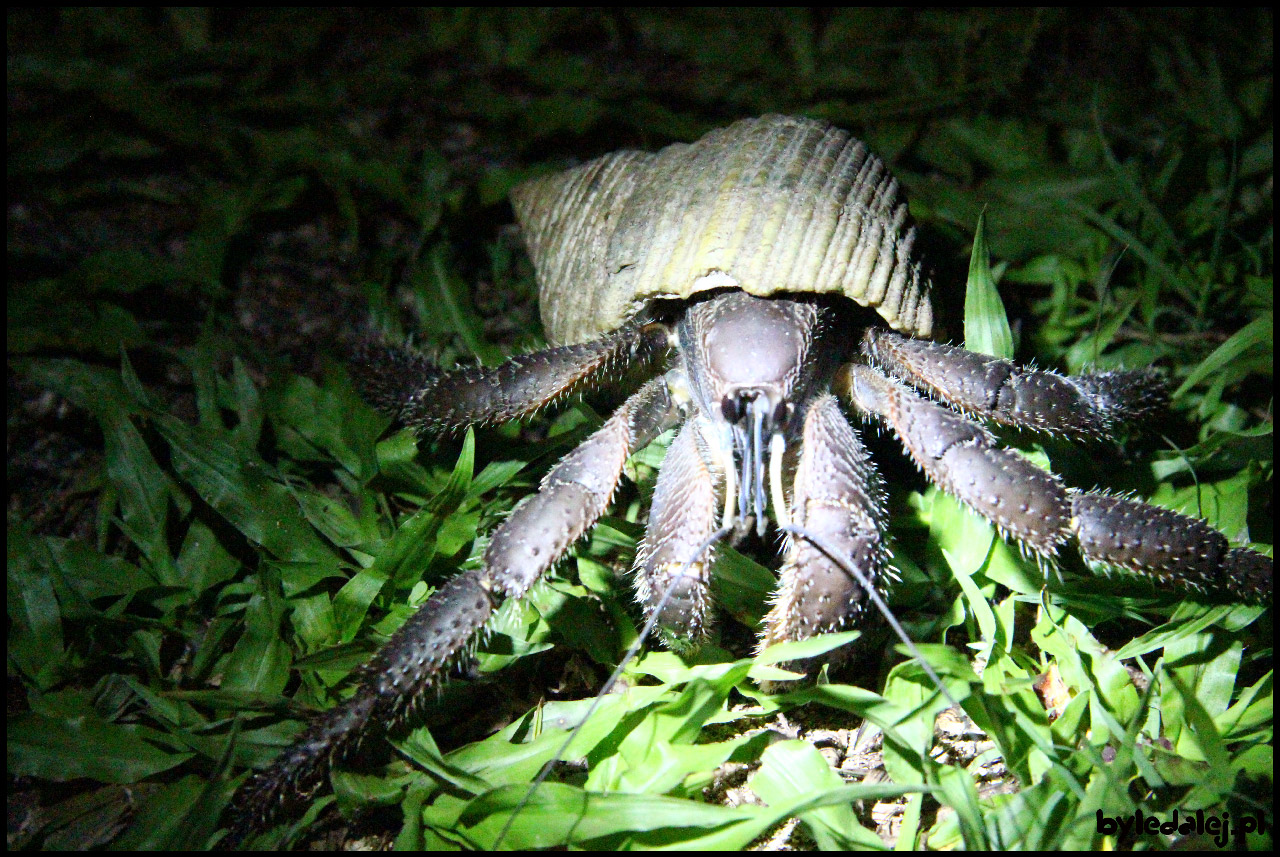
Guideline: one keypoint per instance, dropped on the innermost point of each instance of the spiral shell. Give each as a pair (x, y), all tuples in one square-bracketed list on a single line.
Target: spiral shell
[(768, 205)]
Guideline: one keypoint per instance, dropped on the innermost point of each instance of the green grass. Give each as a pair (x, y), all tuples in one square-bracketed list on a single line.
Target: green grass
[(208, 530)]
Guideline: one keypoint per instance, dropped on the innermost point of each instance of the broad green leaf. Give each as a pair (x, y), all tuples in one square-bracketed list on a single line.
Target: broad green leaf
[(986, 327), (82, 744)]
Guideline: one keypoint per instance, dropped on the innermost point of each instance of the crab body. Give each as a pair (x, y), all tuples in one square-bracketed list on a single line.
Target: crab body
[(741, 256)]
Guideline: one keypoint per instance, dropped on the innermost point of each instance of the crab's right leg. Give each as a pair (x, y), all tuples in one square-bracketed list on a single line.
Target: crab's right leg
[(837, 497), (674, 554), (410, 387), (570, 499), (1116, 531)]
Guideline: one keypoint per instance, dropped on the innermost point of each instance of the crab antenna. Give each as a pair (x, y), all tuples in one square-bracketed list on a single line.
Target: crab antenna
[(821, 544), (613, 679), (742, 445), (757, 462)]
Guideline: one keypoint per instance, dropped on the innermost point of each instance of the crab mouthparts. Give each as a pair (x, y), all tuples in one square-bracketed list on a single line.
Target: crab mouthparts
[(756, 423)]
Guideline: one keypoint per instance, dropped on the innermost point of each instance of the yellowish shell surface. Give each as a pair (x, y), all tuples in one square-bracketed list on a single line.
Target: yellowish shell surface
[(768, 205)]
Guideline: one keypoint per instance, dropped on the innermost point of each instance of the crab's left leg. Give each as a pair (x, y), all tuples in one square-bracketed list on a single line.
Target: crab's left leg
[(1034, 506), (836, 495), (1077, 406)]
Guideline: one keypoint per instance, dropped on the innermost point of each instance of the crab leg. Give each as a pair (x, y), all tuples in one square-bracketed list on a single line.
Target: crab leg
[(836, 495), (682, 517), (1080, 406), (1034, 506), (412, 388), (571, 498), (1170, 547)]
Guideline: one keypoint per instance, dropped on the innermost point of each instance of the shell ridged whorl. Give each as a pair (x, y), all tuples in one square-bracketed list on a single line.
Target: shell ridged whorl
[(775, 204)]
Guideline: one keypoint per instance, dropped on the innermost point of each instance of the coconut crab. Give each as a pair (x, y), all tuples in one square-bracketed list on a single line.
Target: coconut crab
[(741, 254)]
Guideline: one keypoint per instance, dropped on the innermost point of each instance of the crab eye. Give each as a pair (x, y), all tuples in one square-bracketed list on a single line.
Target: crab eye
[(731, 408), (734, 408), (780, 417)]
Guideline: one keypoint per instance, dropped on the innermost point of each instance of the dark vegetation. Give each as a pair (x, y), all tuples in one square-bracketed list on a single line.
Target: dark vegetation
[(208, 530)]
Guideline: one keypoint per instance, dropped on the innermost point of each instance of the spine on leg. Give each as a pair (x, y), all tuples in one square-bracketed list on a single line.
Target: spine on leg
[(1167, 546), (1080, 406), (413, 660)]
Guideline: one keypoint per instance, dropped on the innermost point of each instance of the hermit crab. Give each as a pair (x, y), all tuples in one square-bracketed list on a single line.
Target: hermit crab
[(743, 260)]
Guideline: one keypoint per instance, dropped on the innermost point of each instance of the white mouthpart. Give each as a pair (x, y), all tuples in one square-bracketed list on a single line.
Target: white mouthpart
[(777, 446)]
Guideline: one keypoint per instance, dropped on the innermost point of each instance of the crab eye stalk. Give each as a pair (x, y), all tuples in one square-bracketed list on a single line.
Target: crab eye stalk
[(748, 359)]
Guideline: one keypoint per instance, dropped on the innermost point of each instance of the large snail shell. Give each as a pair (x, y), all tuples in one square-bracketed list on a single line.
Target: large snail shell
[(775, 204)]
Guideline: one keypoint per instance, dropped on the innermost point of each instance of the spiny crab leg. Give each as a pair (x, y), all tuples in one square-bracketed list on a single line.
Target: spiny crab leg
[(410, 387), (571, 498), (836, 494), (1078, 406), (681, 517), (1034, 506)]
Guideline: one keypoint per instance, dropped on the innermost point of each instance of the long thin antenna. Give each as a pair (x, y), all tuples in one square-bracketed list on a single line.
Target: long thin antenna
[(613, 679), (645, 632), (835, 556)]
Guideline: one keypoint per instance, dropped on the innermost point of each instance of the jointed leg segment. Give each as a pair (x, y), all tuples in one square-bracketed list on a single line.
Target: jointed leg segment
[(836, 495), (575, 493), (1034, 507), (572, 497), (682, 516), (412, 388), (1079, 406)]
